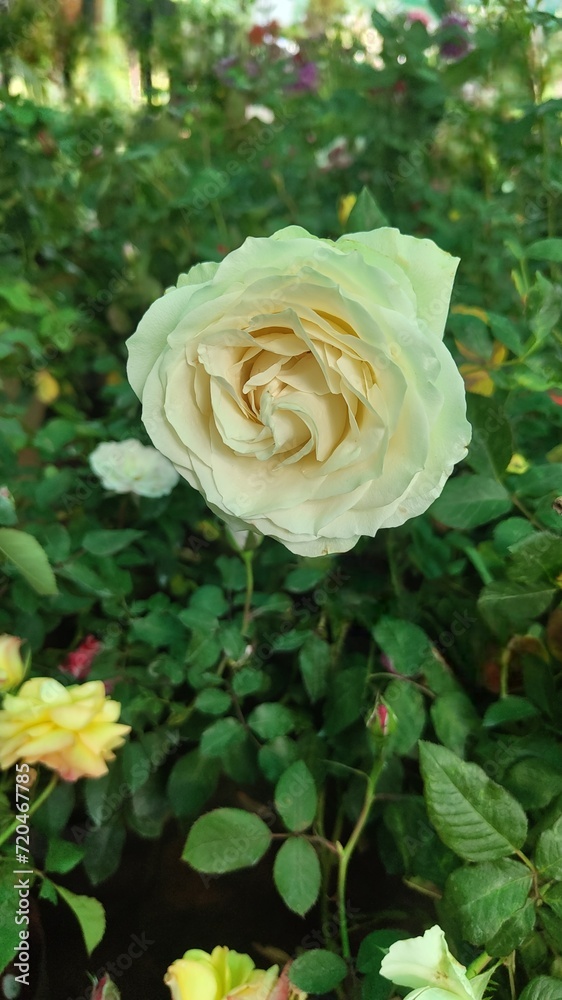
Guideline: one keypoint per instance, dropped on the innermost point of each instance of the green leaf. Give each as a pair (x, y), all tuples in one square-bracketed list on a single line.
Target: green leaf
[(314, 664), (405, 644), (232, 572), (454, 719), (514, 931), (107, 543), (54, 435), (542, 988), (552, 894), (317, 971), (552, 926), (158, 628), (371, 953), (420, 850), (365, 214), (233, 643), (213, 701), (307, 575), (538, 557), (62, 856), (86, 579), (248, 680), (506, 604), (345, 699), (54, 814), (407, 703), (485, 896), (225, 840), (209, 599), (296, 800), (509, 532), (8, 514), (103, 846), (373, 947), (297, 874), (549, 297), (540, 480), (374, 987), (221, 737), (192, 781), (545, 250), (29, 558), (270, 719), (506, 332), (135, 765), (478, 819), (534, 783), (512, 708), (146, 808), (275, 757), (89, 914), (548, 856), (469, 501), (491, 446)]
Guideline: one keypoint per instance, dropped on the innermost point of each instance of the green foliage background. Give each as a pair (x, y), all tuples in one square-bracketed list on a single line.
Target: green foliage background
[(453, 619)]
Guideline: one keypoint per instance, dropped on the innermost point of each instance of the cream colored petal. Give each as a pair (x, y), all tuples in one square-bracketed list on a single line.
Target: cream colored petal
[(430, 270), (198, 274), (149, 339)]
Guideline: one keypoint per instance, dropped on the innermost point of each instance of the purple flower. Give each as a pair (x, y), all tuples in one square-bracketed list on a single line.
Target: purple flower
[(307, 78), (453, 36), (222, 68)]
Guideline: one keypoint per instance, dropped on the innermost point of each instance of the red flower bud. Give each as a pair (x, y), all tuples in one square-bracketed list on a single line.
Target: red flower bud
[(78, 663)]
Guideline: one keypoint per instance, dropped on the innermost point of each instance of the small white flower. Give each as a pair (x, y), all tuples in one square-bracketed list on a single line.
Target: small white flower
[(427, 964), (339, 154), (130, 467), (260, 112)]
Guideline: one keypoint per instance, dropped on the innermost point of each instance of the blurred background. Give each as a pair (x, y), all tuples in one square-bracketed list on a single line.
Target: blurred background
[(138, 137)]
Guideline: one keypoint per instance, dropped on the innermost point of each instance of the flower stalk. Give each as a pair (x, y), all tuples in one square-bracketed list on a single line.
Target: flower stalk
[(346, 853)]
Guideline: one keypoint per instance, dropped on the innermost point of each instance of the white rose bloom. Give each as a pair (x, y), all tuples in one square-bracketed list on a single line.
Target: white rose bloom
[(302, 386), (427, 964), (131, 467)]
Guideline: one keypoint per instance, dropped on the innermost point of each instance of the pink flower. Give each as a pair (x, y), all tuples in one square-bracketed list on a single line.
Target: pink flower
[(418, 15), (78, 663)]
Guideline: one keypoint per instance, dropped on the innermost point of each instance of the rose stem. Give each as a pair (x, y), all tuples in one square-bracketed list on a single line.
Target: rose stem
[(247, 556), (347, 851)]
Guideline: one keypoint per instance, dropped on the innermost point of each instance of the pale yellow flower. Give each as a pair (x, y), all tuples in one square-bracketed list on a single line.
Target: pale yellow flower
[(131, 467), (72, 730), (12, 667), (303, 387), (427, 964), (219, 976)]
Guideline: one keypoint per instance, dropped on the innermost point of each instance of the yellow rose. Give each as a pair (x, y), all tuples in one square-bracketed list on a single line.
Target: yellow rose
[(302, 385), (73, 730), (11, 664), (218, 976)]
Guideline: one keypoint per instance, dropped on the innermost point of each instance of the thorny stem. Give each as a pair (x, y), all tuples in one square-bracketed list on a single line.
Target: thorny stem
[(33, 808), (510, 963), (247, 555), (479, 963), (347, 852)]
